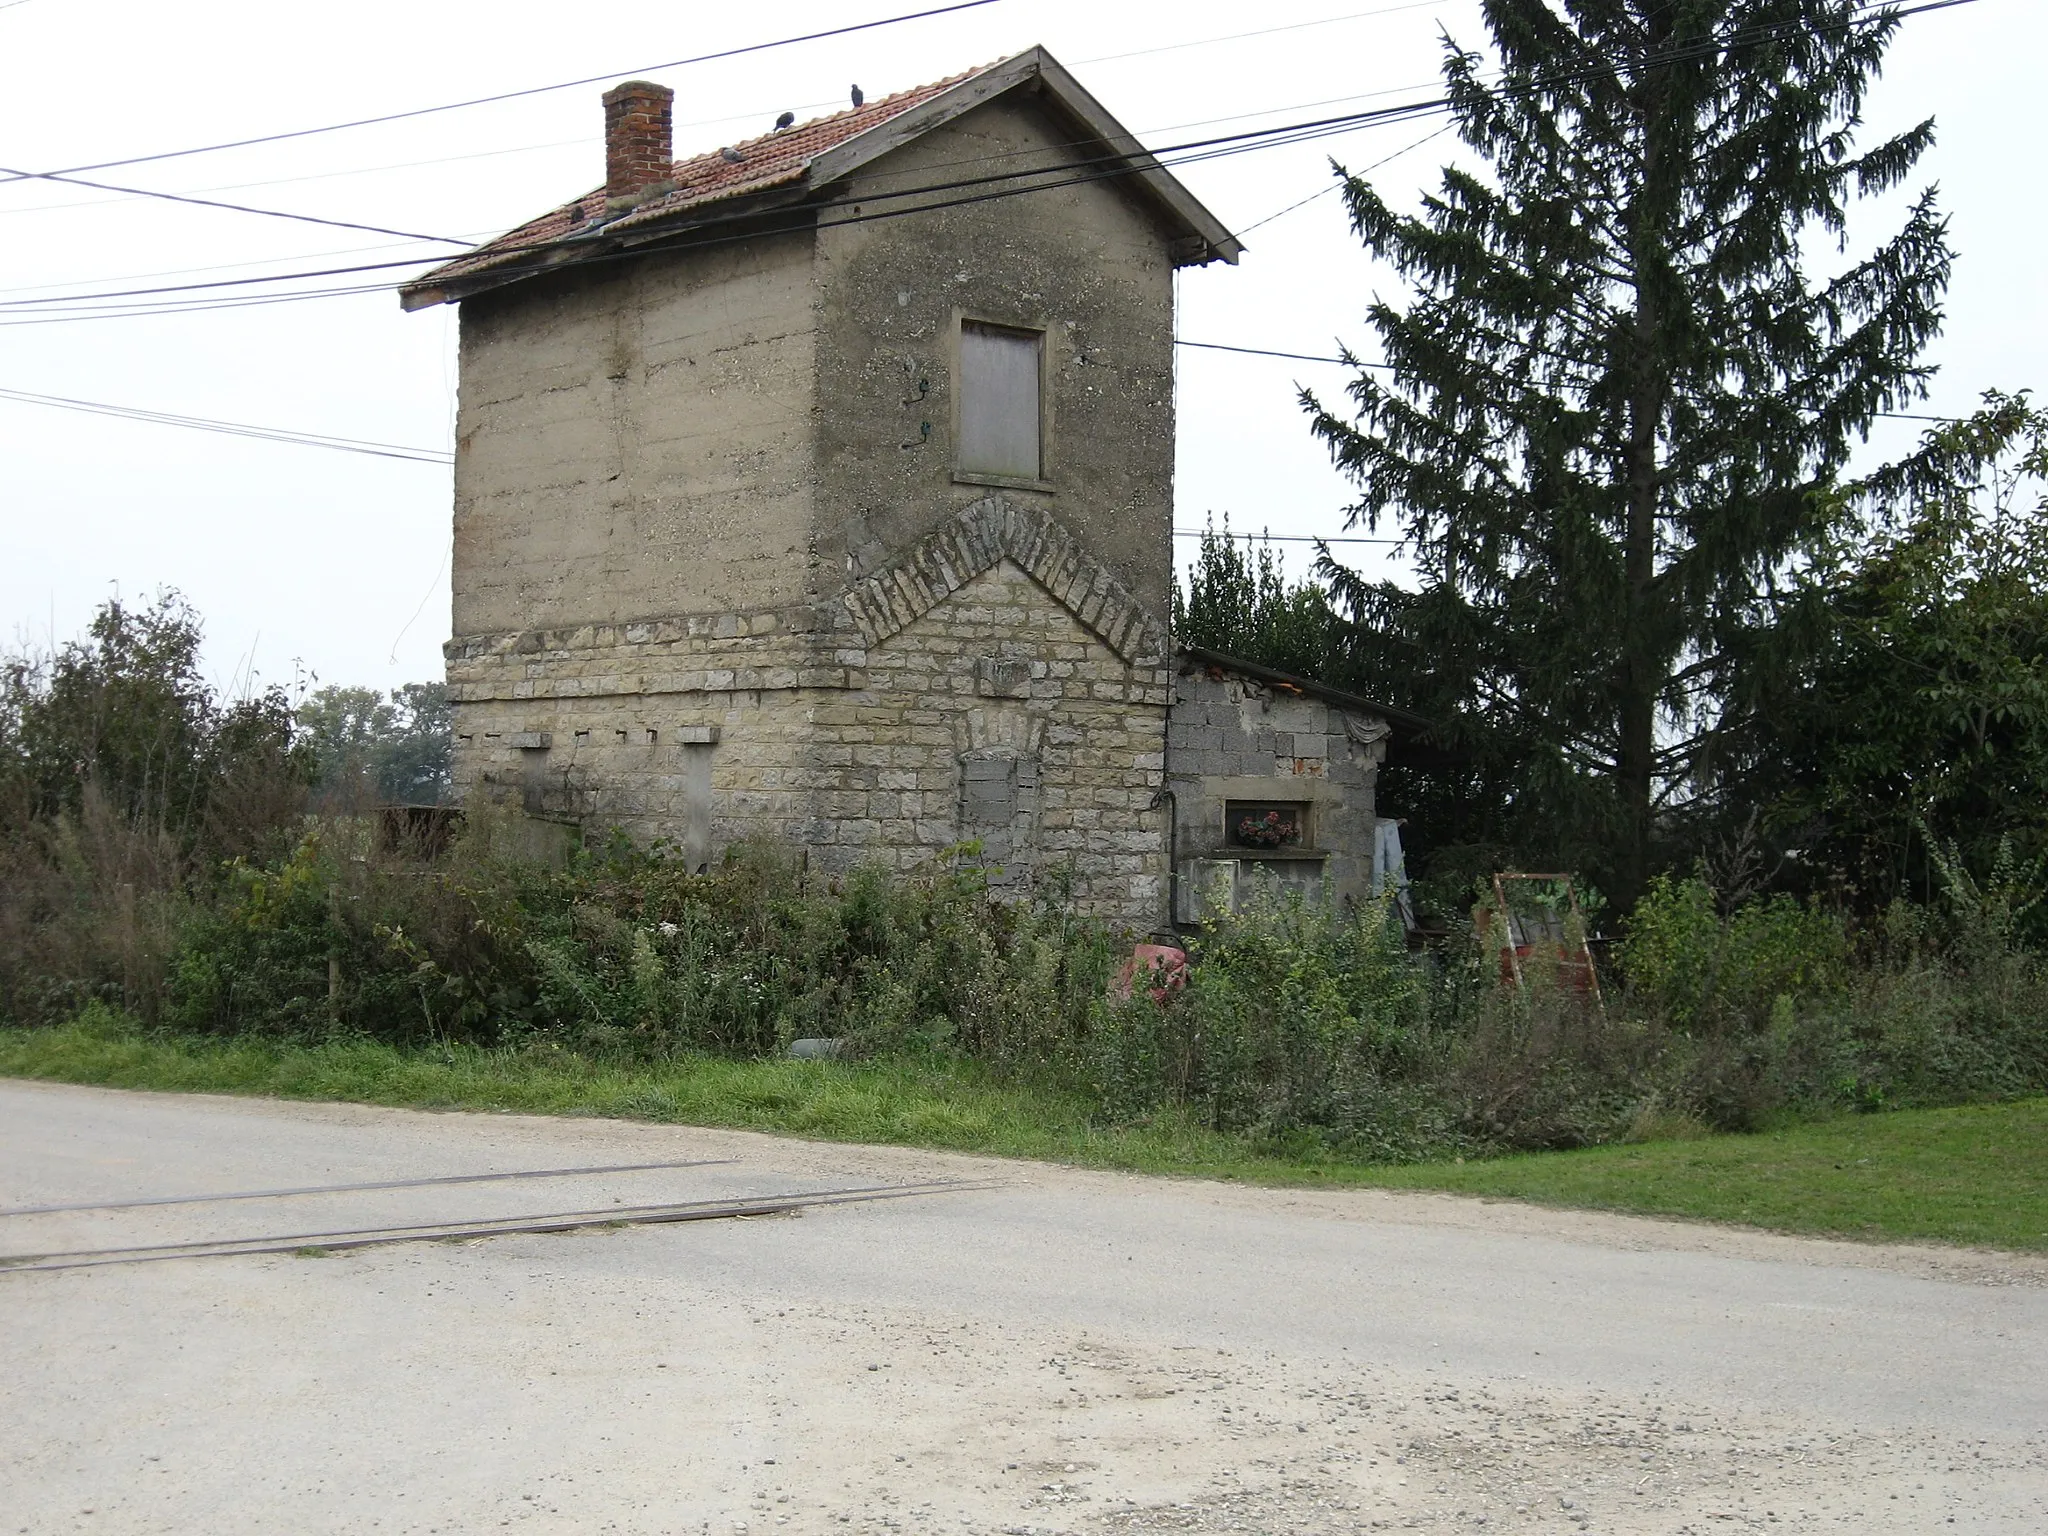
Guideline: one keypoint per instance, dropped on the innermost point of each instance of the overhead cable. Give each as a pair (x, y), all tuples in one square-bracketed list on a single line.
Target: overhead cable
[(537, 90), (233, 428), (207, 202), (1190, 152), (1118, 165)]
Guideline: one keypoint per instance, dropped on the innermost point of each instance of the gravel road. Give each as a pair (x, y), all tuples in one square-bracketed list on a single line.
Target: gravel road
[(1037, 1350)]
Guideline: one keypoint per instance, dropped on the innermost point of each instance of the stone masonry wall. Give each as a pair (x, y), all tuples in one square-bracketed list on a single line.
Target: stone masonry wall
[(962, 704), (1087, 263)]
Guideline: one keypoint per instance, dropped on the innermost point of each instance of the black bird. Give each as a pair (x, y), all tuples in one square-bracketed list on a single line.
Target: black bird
[(788, 119), (857, 97), (733, 157)]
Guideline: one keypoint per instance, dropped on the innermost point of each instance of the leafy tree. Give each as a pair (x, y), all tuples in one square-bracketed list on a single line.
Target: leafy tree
[(1616, 393), (395, 750), (126, 718), (1238, 600), (1909, 694)]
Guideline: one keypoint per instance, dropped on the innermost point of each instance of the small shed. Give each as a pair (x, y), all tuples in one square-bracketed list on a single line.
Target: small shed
[(1273, 777)]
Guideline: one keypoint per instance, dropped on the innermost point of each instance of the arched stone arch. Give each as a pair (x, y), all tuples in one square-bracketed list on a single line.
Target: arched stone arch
[(977, 537)]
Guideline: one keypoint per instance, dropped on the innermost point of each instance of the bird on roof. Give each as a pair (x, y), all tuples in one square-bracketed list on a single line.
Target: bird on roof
[(732, 156), (858, 98), (787, 120)]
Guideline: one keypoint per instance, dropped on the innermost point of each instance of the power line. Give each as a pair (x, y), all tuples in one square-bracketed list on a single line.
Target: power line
[(1191, 152), (1299, 357), (233, 428), (1333, 186), (218, 266), (204, 202), (1200, 42), (1239, 37), (734, 118), (564, 143), (756, 115), (1352, 362), (537, 90)]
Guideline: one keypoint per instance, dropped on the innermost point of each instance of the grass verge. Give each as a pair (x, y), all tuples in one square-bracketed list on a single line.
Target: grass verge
[(1976, 1175)]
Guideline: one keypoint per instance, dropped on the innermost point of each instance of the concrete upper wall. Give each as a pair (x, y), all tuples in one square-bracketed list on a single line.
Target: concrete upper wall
[(635, 439), (1088, 263)]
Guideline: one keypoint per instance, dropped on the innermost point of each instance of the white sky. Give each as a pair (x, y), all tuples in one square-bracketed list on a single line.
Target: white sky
[(337, 564)]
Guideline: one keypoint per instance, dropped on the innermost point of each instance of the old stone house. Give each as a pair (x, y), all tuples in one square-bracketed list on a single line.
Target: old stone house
[(820, 488)]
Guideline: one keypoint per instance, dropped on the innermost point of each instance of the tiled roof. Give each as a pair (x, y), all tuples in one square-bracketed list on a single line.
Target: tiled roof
[(772, 160)]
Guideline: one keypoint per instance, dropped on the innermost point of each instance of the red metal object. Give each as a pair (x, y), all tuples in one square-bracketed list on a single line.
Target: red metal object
[(1162, 964), (1521, 937)]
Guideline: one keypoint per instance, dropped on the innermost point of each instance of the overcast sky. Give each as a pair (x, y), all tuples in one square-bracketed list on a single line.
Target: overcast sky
[(304, 560)]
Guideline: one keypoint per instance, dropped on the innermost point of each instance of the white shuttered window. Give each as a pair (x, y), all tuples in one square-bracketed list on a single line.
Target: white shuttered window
[(1000, 410)]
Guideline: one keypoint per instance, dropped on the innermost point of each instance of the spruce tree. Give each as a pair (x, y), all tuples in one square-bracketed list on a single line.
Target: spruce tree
[(1617, 399)]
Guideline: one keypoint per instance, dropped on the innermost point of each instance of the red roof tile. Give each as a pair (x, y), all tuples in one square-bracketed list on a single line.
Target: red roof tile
[(772, 160)]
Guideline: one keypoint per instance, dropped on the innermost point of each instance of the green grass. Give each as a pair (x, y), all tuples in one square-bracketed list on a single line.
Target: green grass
[(1977, 1174)]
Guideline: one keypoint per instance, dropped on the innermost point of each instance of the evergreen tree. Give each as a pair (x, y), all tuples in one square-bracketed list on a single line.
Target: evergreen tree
[(1617, 396)]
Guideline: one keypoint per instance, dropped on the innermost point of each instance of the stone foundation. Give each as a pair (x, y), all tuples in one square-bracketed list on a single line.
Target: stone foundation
[(993, 714)]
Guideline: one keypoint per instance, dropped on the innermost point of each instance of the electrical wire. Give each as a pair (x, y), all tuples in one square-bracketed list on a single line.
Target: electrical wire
[(1167, 48), (756, 115), (1335, 185), (218, 266), (233, 428), (1352, 362), (1731, 39), (1293, 133), (205, 202), (537, 90), (1191, 152), (1204, 42), (1239, 37), (1281, 538)]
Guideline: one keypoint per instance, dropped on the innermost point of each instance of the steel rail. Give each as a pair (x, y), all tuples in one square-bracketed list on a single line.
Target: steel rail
[(342, 1189), (559, 1221)]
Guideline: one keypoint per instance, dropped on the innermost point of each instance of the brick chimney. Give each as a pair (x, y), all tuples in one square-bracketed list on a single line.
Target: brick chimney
[(639, 142)]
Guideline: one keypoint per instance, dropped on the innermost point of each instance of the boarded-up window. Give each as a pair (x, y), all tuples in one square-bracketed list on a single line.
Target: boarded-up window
[(998, 791), (1000, 409)]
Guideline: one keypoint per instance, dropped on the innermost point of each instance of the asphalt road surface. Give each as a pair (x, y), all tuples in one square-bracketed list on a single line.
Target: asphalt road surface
[(1006, 1347)]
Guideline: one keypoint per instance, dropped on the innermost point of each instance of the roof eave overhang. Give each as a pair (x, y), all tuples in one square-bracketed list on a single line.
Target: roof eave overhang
[(637, 239), (1200, 236), (1393, 715)]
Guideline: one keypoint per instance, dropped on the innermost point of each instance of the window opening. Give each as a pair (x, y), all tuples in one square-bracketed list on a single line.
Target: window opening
[(1001, 412), (1265, 824)]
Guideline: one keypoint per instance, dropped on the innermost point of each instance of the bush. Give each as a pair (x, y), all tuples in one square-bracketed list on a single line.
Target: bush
[(1705, 973), (1778, 1005), (626, 952), (1296, 1017)]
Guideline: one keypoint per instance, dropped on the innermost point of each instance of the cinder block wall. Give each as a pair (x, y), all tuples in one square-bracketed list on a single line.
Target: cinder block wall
[(1233, 738)]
